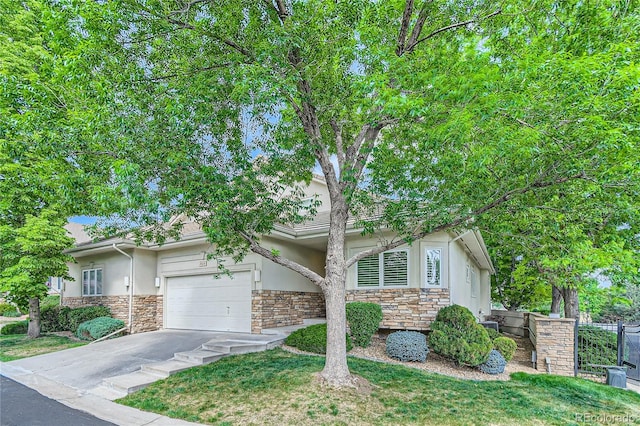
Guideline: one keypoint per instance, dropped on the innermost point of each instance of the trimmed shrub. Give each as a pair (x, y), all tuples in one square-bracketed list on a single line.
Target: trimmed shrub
[(54, 318), (407, 346), (12, 314), (312, 339), (495, 363), (506, 346), (493, 334), (63, 318), (49, 301), (79, 315), (7, 307), (456, 335), (364, 319), (98, 327), (20, 327)]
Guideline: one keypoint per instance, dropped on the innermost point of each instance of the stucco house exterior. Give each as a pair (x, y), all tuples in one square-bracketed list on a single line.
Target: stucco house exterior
[(174, 286)]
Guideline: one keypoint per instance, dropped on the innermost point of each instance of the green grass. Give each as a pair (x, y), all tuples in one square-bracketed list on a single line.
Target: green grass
[(277, 387), (20, 346)]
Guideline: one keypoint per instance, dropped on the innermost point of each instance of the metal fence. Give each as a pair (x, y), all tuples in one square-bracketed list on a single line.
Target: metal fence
[(599, 346), (631, 350)]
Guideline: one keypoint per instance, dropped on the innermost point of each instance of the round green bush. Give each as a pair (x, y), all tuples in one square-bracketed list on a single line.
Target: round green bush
[(79, 315), (312, 339), (506, 346), (12, 314), (455, 334), (20, 327), (364, 319), (493, 334), (407, 346), (98, 327), (7, 307)]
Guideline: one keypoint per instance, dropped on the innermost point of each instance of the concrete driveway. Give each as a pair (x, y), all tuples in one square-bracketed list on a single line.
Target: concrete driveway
[(69, 376), (85, 367)]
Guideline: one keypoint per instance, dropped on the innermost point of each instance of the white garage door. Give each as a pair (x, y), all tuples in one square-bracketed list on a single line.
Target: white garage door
[(202, 302)]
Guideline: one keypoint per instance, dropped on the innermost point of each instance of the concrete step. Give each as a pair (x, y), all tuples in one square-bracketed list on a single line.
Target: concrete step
[(131, 382), (166, 368), (230, 347), (108, 392), (198, 357)]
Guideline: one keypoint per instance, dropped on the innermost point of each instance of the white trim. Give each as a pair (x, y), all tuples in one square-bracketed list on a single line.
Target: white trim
[(95, 284), (425, 256), (475, 284)]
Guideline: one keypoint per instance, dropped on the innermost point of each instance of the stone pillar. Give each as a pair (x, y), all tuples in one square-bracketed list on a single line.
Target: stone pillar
[(553, 340)]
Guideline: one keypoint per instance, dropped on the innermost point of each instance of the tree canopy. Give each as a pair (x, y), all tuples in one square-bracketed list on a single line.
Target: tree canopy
[(41, 182), (421, 116)]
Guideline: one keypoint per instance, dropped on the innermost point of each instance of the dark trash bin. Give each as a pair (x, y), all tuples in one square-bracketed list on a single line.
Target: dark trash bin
[(617, 377)]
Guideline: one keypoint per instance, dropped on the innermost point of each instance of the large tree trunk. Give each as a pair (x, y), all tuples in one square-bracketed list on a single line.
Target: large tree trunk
[(571, 304), (336, 372), (556, 299), (34, 318)]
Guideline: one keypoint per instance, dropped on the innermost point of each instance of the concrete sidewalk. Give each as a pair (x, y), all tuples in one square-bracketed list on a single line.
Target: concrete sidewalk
[(71, 376)]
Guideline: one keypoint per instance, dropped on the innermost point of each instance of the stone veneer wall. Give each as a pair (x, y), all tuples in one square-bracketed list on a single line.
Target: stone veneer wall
[(553, 338), (278, 308), (147, 310), (405, 308)]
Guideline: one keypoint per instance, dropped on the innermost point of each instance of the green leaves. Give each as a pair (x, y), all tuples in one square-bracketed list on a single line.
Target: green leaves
[(31, 254)]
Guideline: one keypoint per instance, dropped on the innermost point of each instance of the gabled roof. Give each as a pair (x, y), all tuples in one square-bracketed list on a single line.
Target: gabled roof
[(77, 232)]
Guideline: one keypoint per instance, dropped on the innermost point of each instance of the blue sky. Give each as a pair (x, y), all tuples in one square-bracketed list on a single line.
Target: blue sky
[(84, 220)]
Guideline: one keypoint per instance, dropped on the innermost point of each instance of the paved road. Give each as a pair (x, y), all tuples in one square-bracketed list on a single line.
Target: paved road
[(22, 406)]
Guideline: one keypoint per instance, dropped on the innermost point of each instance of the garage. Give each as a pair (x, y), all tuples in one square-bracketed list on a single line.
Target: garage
[(203, 302)]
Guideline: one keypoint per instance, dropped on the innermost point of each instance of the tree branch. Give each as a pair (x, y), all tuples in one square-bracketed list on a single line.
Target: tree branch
[(412, 46), (404, 27), (289, 264), (186, 74), (235, 46), (460, 220), (337, 131), (358, 152), (417, 28), (187, 7)]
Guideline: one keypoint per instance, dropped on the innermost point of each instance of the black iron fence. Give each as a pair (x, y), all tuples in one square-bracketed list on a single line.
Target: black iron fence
[(599, 346), (631, 347)]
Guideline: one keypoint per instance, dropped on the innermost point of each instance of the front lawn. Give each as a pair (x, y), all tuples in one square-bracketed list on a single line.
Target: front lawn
[(20, 346), (277, 387)]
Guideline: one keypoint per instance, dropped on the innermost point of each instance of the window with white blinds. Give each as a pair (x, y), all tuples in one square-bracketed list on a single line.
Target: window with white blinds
[(433, 267), (388, 269), (369, 271)]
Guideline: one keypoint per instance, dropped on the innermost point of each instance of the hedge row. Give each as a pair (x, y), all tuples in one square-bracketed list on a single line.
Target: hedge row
[(63, 318)]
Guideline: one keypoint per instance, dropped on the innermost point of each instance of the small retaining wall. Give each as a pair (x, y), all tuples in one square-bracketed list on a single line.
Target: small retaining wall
[(511, 322), (553, 340)]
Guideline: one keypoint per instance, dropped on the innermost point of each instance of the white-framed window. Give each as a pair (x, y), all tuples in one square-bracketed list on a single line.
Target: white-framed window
[(387, 269), (92, 282), (433, 267), (474, 282), (55, 283)]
